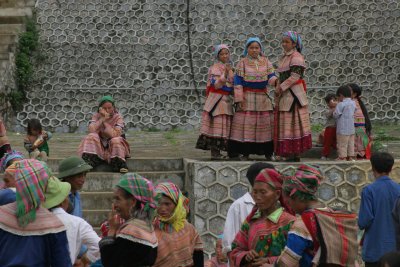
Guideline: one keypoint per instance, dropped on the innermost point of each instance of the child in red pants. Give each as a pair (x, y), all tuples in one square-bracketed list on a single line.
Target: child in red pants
[(330, 127)]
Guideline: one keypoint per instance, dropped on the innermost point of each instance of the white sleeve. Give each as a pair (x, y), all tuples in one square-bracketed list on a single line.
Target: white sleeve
[(91, 240), (232, 226)]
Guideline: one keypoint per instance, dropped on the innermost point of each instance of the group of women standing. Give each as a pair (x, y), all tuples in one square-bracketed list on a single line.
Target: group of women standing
[(239, 116)]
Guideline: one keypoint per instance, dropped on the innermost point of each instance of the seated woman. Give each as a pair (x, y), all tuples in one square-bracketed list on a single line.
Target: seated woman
[(4, 143), (105, 141), (263, 234), (134, 242), (179, 243)]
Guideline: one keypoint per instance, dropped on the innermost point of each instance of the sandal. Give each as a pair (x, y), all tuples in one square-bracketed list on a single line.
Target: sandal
[(123, 170)]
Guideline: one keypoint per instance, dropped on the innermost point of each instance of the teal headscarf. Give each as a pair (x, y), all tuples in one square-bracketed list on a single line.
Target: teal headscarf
[(106, 98), (249, 42)]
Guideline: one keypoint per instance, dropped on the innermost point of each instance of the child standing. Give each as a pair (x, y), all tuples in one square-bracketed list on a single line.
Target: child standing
[(4, 143), (344, 115), (36, 139), (362, 123), (329, 140)]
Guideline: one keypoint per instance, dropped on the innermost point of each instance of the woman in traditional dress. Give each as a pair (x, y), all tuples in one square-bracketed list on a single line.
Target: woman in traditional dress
[(294, 129), (252, 125), (263, 234), (218, 108), (362, 123), (179, 243), (106, 142), (134, 242)]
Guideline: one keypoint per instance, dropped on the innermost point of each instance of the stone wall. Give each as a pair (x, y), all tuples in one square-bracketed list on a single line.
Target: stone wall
[(139, 52), (216, 185)]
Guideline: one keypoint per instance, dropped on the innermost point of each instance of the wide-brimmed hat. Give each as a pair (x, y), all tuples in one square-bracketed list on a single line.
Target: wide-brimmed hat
[(56, 192), (71, 166)]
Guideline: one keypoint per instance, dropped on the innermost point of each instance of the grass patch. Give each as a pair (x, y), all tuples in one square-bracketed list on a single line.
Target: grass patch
[(170, 136), (317, 128)]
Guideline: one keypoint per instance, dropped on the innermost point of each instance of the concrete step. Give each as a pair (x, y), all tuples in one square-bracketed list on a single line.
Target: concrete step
[(16, 3), (96, 217), (136, 164), (4, 56), (105, 181), (8, 38), (13, 15), (7, 48), (11, 28)]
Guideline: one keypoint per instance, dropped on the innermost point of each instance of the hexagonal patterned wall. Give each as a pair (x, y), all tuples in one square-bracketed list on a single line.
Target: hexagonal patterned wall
[(216, 185), (138, 51)]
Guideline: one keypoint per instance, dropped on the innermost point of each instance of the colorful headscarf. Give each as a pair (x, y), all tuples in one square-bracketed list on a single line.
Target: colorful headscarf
[(178, 218), (31, 179), (8, 157), (252, 40), (218, 48), (271, 177), (140, 188), (106, 98), (295, 37), (304, 184)]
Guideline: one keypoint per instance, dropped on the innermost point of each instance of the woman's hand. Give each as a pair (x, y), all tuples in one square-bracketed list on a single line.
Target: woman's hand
[(251, 256), (228, 69), (278, 90), (104, 113), (114, 222)]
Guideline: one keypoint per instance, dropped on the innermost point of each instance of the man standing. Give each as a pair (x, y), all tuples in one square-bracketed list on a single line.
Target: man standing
[(377, 202)]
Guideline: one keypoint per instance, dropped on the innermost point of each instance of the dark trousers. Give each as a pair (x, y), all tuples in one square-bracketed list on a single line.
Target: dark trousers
[(329, 140), (371, 264)]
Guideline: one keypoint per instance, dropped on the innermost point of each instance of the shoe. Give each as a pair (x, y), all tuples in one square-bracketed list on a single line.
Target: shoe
[(340, 159), (244, 157), (324, 158), (123, 170)]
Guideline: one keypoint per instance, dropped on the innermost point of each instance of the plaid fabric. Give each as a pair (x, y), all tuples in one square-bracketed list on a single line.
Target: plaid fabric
[(271, 177), (217, 104), (304, 183), (140, 188), (138, 231), (252, 126), (31, 178), (294, 134), (177, 248), (116, 147), (336, 233), (8, 157), (217, 127), (178, 218), (253, 101)]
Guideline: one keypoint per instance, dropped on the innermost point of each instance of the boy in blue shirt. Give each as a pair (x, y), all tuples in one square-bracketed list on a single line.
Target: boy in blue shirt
[(377, 202)]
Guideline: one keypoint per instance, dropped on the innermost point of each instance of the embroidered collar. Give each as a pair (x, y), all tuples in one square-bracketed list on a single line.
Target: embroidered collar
[(289, 53), (273, 217)]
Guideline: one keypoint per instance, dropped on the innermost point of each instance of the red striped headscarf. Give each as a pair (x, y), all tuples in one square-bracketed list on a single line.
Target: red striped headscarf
[(304, 183), (275, 180)]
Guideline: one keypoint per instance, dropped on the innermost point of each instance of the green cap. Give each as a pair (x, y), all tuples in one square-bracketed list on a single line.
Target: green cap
[(106, 98), (56, 192), (71, 166)]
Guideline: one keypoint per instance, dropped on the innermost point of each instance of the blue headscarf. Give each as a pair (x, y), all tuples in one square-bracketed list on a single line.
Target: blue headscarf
[(295, 37), (249, 42), (8, 157)]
